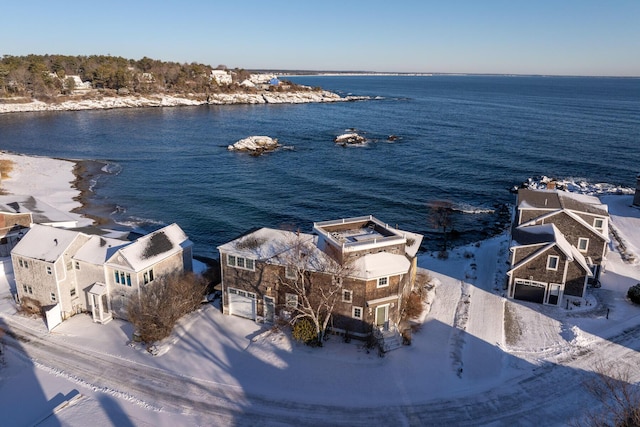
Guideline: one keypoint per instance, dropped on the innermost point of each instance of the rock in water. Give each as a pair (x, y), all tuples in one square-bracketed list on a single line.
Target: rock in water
[(255, 144), (349, 138)]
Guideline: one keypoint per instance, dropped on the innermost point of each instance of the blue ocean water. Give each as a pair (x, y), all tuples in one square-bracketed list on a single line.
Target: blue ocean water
[(466, 139)]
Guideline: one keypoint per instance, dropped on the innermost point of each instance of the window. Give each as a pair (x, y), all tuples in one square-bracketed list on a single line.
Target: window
[(49, 270), (291, 300), (347, 295), (77, 265), (552, 262), (383, 281), (123, 278), (72, 292), (598, 224), (356, 312), (583, 244), (23, 263), (290, 273), (30, 290), (147, 276), (20, 263), (53, 297), (240, 262)]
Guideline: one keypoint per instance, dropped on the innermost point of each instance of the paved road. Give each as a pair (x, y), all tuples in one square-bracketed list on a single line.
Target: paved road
[(550, 395)]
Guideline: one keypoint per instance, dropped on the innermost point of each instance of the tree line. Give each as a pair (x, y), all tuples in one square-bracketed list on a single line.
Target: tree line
[(47, 76)]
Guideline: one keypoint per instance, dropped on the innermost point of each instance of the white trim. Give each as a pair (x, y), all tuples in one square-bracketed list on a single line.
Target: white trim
[(379, 279), (549, 258), (289, 298), (353, 312), (391, 298), (586, 246)]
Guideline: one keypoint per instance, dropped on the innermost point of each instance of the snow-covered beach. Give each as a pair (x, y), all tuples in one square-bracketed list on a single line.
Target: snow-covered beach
[(466, 364)]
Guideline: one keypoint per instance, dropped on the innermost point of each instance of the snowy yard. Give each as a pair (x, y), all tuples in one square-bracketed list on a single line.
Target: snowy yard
[(476, 359)]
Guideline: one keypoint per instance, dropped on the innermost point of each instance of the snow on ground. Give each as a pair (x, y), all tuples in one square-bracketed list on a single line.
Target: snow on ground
[(473, 347), (44, 178)]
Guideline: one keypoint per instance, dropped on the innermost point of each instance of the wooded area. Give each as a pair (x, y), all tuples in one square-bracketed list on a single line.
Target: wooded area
[(46, 77)]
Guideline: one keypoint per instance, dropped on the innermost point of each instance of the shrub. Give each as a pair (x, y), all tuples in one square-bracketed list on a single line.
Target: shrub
[(413, 306), (634, 293), (31, 306), (304, 331)]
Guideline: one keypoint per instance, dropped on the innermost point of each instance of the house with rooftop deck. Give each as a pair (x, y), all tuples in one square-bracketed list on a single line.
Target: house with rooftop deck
[(78, 272), (580, 234), (374, 263)]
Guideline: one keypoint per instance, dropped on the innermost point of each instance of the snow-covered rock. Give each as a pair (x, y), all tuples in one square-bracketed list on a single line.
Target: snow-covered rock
[(132, 101), (350, 138), (255, 144)]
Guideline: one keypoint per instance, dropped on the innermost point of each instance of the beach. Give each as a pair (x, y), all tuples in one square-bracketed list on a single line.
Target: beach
[(63, 184)]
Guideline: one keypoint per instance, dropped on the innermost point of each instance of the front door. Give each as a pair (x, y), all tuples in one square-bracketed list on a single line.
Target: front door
[(382, 315), (269, 309)]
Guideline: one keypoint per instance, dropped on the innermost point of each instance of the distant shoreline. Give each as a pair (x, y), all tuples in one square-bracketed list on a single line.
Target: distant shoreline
[(100, 102)]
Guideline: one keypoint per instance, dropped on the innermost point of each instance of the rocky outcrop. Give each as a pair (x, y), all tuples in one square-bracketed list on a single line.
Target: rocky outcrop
[(255, 145), (350, 139), (109, 102)]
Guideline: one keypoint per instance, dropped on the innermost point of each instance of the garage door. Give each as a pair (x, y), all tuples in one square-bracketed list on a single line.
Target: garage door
[(529, 291), (242, 303)]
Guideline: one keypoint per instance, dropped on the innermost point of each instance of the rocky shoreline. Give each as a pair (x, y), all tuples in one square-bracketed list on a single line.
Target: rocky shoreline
[(111, 102)]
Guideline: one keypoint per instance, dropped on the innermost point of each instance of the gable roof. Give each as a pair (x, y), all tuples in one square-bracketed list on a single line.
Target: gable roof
[(45, 243), (571, 214), (154, 247), (97, 250), (548, 236), (41, 212), (557, 199)]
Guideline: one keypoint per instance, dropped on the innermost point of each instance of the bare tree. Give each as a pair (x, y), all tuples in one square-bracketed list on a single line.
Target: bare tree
[(316, 281), (161, 303), (614, 388), (441, 218)]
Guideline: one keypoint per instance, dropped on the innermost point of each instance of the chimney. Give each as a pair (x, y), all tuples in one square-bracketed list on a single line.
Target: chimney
[(636, 198)]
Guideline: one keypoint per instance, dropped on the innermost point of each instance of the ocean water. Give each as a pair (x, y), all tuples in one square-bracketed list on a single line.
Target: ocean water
[(465, 139)]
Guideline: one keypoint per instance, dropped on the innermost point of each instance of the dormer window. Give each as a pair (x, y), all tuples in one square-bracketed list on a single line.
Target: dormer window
[(598, 224), (583, 244)]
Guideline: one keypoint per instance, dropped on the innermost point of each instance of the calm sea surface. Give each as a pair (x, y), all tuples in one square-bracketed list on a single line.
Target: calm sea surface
[(467, 139)]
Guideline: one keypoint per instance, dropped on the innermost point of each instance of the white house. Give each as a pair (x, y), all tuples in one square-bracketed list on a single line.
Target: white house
[(80, 272)]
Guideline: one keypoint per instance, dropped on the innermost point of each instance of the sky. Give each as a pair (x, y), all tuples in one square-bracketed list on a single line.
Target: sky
[(554, 37)]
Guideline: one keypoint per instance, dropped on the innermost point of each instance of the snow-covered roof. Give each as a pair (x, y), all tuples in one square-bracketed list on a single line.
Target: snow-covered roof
[(557, 199), (380, 264), (573, 215), (549, 236), (264, 243), (98, 249), (154, 247), (41, 212), (415, 239), (45, 243)]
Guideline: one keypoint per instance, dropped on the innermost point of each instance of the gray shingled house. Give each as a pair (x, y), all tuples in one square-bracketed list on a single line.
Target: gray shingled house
[(578, 238)]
